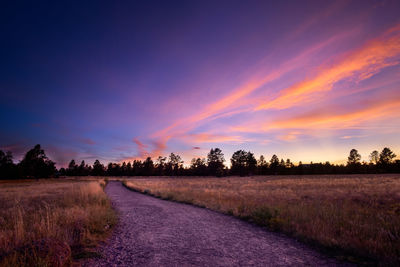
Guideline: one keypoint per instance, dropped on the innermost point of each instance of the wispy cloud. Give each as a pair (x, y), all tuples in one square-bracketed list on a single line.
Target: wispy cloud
[(357, 65), (331, 117), (213, 138), (142, 148), (291, 136), (352, 136)]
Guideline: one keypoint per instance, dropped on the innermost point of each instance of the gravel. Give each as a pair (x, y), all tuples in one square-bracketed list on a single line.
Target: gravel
[(154, 232)]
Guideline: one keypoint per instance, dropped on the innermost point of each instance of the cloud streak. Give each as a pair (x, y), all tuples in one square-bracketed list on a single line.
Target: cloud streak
[(213, 138), (358, 65), (334, 118)]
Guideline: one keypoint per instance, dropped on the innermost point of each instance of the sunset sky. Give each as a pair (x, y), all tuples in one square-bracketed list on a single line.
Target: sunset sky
[(117, 81)]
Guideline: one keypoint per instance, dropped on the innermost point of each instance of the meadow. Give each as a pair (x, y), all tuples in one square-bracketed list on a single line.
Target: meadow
[(52, 222), (354, 217)]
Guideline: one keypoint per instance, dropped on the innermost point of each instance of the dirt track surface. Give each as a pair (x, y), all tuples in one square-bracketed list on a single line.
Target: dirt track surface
[(154, 232)]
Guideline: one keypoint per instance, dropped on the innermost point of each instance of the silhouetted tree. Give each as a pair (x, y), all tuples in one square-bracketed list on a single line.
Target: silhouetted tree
[(8, 169), (282, 163), (215, 162), (83, 169), (262, 165), (123, 168), (72, 168), (109, 170), (114, 169), (243, 163), (128, 169), (160, 165), (198, 166), (251, 163), (36, 164), (148, 167), (374, 157), (353, 161), (238, 162), (137, 167), (274, 164), (98, 168), (288, 164), (354, 157), (174, 164), (386, 156)]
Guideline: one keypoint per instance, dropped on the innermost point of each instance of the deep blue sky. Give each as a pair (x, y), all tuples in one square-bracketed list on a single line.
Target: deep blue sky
[(118, 80)]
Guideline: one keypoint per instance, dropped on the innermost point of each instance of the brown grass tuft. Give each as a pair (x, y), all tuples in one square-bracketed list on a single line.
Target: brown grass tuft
[(41, 220)]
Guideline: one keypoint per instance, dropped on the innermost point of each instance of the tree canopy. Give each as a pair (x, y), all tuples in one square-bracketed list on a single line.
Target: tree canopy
[(36, 164), (386, 156), (354, 157), (215, 161), (243, 163)]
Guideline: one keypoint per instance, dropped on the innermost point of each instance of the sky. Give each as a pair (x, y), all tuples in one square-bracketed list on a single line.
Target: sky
[(123, 80)]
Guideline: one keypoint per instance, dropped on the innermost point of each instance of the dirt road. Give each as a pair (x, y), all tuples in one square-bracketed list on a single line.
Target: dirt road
[(154, 232)]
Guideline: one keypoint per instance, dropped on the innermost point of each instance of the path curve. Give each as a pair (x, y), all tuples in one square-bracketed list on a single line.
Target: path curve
[(154, 232)]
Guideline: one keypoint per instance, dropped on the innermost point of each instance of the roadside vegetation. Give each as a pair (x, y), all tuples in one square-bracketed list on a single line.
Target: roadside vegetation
[(52, 222), (356, 216)]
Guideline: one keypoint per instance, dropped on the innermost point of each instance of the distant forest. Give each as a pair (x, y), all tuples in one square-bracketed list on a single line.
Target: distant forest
[(36, 164)]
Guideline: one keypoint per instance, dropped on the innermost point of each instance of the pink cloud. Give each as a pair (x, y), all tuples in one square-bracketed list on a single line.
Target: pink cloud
[(359, 64)]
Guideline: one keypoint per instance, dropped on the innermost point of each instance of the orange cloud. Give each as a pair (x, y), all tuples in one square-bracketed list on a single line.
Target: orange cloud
[(213, 138), (289, 136), (352, 136), (328, 118), (359, 65)]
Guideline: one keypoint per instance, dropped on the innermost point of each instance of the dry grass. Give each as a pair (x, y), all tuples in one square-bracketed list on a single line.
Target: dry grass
[(354, 215), (52, 215)]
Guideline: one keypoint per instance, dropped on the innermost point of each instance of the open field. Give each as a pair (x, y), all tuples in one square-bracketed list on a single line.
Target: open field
[(351, 215), (52, 222)]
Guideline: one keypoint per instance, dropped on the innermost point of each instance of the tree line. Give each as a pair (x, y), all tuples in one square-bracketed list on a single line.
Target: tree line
[(35, 164)]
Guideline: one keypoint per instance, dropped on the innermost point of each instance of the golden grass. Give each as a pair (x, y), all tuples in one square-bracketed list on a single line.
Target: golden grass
[(74, 214), (354, 215)]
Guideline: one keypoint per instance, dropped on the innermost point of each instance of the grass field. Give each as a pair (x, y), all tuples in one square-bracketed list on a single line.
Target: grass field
[(355, 215), (52, 222)]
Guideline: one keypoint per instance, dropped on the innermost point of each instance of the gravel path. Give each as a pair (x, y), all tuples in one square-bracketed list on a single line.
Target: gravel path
[(154, 232)]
